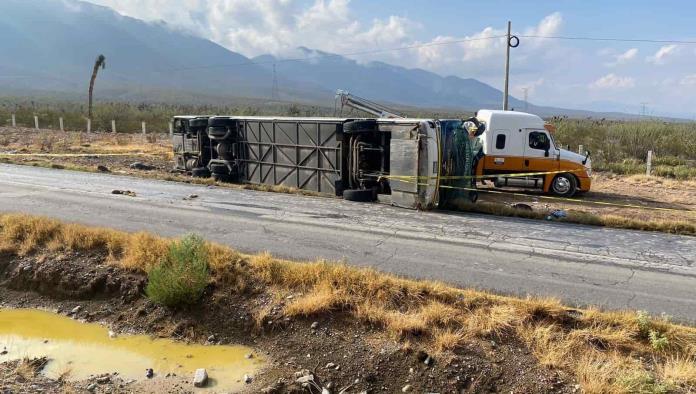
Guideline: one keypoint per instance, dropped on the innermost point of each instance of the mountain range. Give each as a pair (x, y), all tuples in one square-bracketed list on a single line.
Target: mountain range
[(50, 46)]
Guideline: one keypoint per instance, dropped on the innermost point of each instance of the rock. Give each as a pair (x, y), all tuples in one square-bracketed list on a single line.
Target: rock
[(92, 387), (191, 197), (124, 192), (3, 352), (314, 325), (141, 166), (112, 334), (330, 365), (200, 378), (411, 370), (149, 373), (406, 388), (104, 379), (305, 379), (428, 361), (249, 356), (324, 390), (211, 338), (247, 379), (75, 310), (102, 168), (330, 385)]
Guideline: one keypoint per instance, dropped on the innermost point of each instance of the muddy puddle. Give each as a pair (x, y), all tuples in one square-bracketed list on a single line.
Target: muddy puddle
[(78, 350)]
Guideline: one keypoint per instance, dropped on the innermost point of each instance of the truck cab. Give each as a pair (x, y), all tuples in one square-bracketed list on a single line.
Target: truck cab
[(520, 149)]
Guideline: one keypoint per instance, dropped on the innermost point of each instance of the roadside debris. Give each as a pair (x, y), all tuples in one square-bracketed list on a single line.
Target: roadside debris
[(149, 373), (141, 166), (123, 192), (557, 214), (102, 168), (191, 197)]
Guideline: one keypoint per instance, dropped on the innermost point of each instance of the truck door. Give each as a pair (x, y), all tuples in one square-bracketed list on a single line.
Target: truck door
[(540, 154)]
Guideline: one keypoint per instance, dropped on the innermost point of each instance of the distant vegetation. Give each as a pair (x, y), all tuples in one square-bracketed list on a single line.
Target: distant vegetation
[(617, 146), (622, 146)]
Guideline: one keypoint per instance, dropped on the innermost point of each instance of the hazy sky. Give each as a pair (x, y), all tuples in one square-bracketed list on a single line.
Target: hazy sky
[(588, 74)]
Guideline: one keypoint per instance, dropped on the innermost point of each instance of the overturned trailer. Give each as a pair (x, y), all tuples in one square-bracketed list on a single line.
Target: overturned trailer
[(354, 158)]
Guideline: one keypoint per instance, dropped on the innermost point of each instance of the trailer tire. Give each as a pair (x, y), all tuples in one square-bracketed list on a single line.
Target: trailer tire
[(359, 195), (360, 126), (200, 172), (198, 122), (564, 185)]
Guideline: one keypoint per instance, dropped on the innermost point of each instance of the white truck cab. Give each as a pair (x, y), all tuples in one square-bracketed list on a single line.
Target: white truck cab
[(516, 143)]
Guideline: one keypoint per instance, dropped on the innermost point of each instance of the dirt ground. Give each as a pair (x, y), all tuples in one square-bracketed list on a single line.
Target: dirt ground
[(366, 361), (631, 197)]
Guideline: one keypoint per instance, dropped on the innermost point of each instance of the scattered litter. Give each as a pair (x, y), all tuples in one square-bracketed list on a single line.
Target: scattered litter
[(559, 213), (191, 197), (123, 192)]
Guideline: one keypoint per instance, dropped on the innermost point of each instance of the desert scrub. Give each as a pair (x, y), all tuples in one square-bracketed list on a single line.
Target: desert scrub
[(181, 277)]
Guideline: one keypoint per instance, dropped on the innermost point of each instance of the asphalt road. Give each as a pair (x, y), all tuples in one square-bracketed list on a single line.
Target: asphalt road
[(581, 265)]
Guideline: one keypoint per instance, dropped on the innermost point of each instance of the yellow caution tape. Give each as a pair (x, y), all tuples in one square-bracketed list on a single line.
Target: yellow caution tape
[(560, 198), (76, 154), (489, 176)]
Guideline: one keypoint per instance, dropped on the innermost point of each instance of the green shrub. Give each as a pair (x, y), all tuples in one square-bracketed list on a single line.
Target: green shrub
[(182, 276)]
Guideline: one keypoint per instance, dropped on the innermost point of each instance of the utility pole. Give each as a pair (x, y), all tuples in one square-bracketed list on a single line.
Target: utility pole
[(525, 90), (510, 42), (274, 89), (643, 104)]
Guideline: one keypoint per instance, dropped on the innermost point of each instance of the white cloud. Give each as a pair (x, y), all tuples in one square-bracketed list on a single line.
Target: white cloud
[(662, 54), (623, 57), (613, 81), (689, 80), (255, 27)]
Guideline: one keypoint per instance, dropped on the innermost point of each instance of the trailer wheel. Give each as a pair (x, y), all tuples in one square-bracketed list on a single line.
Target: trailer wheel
[(222, 177), (200, 172), (359, 195), (564, 185), (360, 126)]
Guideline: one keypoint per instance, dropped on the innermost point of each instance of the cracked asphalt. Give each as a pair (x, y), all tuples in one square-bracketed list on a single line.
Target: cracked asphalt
[(581, 265)]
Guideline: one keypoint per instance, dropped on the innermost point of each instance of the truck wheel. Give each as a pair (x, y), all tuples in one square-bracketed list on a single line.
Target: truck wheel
[(200, 172), (564, 185), (359, 195), (360, 126)]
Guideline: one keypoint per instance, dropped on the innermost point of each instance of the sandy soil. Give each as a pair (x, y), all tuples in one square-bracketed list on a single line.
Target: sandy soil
[(367, 360), (609, 195)]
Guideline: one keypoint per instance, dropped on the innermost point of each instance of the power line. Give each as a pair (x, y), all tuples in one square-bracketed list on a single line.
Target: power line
[(609, 39), (327, 55)]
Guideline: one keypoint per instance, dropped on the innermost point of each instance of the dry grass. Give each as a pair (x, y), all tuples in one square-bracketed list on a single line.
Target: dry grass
[(672, 226), (608, 352)]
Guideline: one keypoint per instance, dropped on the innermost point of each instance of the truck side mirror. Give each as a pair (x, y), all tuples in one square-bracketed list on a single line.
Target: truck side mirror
[(546, 152)]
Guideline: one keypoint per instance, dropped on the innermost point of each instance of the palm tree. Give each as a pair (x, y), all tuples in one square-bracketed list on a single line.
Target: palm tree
[(100, 62)]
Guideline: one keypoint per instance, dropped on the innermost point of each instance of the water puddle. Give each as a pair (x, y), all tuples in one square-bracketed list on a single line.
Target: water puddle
[(84, 349)]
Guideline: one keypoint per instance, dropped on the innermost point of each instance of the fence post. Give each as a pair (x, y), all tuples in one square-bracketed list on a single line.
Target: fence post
[(144, 127), (171, 129), (60, 121), (36, 122), (113, 126), (14, 121), (580, 149), (89, 125), (648, 167)]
